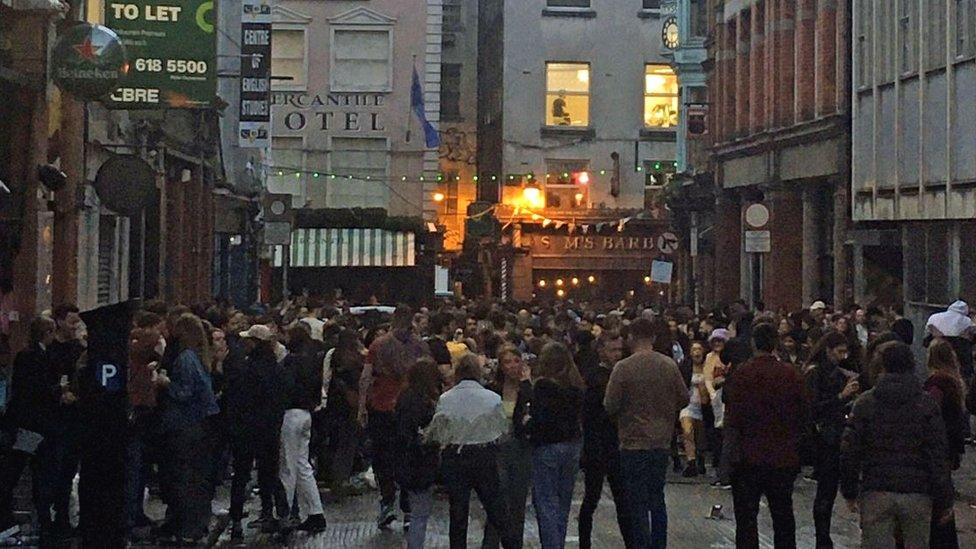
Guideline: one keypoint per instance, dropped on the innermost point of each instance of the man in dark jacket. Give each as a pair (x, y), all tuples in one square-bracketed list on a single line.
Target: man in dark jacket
[(253, 396), (33, 407), (894, 464), (764, 411), (600, 458)]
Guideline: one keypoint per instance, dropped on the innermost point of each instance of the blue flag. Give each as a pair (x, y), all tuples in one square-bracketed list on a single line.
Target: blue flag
[(431, 137)]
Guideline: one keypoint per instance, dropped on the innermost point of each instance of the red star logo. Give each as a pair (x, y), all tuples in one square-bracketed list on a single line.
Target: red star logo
[(87, 50)]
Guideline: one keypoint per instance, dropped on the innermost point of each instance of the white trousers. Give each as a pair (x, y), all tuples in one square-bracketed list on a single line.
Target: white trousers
[(295, 470)]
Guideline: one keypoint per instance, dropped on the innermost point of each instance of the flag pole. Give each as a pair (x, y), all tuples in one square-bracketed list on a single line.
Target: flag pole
[(412, 114)]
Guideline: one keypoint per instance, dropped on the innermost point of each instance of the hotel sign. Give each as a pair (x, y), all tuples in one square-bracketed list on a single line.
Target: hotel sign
[(348, 112)]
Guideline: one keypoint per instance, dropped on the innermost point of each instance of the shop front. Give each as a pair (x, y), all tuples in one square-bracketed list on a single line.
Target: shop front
[(612, 263)]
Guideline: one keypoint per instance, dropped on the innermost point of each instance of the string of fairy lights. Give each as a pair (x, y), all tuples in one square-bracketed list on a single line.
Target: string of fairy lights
[(529, 180), (439, 177)]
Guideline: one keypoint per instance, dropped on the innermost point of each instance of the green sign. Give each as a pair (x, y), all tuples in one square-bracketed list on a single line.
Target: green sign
[(88, 61), (172, 53)]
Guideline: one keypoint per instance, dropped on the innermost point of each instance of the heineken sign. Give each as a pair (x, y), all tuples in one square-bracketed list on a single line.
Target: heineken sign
[(171, 46), (88, 61)]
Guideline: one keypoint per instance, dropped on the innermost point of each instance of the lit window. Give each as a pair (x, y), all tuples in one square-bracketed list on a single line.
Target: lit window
[(568, 94), (660, 97), (361, 61)]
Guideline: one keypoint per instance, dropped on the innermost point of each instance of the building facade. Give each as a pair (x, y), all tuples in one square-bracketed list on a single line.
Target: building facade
[(779, 118), (346, 138), (578, 117), (913, 188), (458, 119)]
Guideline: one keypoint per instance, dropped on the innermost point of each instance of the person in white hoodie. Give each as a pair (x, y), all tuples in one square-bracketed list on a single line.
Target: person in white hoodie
[(956, 326)]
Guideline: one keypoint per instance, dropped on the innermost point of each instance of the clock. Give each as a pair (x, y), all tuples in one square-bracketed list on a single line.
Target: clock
[(278, 207), (669, 32)]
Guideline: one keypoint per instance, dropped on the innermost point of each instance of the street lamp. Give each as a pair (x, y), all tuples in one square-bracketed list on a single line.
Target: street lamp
[(438, 197)]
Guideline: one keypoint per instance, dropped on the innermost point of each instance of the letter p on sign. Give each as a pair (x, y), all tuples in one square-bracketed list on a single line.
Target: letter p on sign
[(108, 372)]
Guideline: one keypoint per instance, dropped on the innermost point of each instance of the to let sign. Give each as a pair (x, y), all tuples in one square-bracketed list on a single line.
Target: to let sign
[(255, 108), (171, 48)]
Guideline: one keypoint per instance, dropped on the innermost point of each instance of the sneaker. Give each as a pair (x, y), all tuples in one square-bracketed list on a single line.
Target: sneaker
[(386, 517), (406, 522), (691, 470), (721, 485), (314, 524), (218, 510)]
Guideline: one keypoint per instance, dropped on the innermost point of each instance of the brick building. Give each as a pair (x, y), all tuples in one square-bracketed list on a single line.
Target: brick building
[(779, 120)]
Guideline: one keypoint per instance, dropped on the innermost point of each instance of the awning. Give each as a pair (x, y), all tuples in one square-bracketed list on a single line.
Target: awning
[(350, 248)]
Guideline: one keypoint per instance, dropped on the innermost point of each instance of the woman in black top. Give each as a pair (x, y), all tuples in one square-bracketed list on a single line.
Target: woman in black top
[(417, 468), (548, 416)]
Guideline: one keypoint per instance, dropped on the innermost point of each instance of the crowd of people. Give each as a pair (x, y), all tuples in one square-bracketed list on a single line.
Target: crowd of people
[(502, 400)]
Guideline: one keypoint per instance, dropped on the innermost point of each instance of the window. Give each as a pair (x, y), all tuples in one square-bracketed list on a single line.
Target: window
[(935, 38), (964, 22), (287, 160), (288, 59), (361, 60), (568, 3), (452, 15), (360, 157), (660, 97), (907, 36), (564, 189), (451, 196), (651, 4), (568, 94), (657, 174), (698, 15), (450, 92)]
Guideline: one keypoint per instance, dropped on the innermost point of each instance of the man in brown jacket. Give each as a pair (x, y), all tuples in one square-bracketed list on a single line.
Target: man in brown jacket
[(644, 395)]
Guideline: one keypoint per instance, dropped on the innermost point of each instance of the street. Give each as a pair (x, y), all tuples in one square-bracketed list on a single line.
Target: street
[(352, 524)]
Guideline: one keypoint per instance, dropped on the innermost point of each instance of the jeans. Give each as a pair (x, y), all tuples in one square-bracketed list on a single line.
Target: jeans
[(475, 468), (828, 481), (646, 471), (421, 503), (749, 484), (266, 453), (515, 476), (189, 450), (135, 478), (884, 512), (594, 474), (554, 468), (382, 431), (295, 469)]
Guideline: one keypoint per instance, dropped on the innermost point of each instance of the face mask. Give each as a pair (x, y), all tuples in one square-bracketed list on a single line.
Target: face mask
[(160, 347)]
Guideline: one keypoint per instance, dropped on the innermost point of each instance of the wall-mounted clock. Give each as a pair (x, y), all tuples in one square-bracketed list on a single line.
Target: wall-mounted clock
[(669, 32)]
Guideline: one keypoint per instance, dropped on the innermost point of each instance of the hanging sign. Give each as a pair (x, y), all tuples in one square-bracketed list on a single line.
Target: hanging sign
[(88, 61), (172, 52), (255, 107)]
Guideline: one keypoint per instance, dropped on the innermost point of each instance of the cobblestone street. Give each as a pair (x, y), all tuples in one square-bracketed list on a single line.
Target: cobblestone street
[(352, 524)]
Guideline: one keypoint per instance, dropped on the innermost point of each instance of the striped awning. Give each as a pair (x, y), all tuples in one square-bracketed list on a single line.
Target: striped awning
[(349, 248)]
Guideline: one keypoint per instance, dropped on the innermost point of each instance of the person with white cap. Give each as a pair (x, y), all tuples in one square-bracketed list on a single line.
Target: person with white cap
[(818, 311), (714, 376), (254, 410), (957, 327)]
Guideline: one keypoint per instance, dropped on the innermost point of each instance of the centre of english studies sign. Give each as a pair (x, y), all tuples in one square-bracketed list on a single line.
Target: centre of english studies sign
[(171, 46)]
